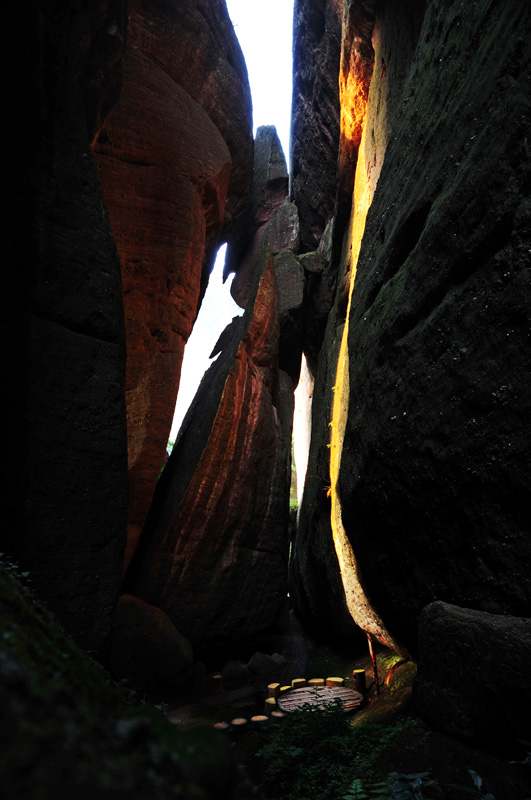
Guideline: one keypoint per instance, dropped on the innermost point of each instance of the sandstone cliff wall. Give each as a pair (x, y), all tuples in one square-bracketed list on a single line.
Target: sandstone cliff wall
[(214, 551), (175, 162), (423, 372)]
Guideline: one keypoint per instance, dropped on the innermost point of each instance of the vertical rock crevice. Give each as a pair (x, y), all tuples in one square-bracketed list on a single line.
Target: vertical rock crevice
[(370, 75)]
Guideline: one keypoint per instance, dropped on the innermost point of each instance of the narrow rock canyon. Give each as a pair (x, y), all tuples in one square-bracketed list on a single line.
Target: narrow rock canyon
[(385, 289)]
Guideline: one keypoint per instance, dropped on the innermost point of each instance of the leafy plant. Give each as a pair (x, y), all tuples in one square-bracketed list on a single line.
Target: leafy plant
[(477, 780), (356, 791), (398, 786), (319, 754)]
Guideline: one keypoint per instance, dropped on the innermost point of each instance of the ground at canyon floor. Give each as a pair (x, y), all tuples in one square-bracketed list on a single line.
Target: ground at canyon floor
[(382, 750)]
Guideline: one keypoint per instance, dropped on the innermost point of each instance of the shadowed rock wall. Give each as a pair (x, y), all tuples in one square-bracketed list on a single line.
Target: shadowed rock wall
[(64, 495), (315, 114), (434, 467), (371, 70), (435, 471), (169, 117)]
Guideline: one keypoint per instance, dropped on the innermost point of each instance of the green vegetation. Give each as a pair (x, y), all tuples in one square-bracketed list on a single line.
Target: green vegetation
[(319, 754)]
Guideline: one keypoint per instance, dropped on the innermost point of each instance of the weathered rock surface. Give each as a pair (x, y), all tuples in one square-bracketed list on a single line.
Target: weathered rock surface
[(64, 494), (435, 470), (213, 553), (145, 648), (473, 677), (315, 584), (269, 195), (195, 45), (364, 134), (315, 114), (290, 281), (170, 158), (272, 219)]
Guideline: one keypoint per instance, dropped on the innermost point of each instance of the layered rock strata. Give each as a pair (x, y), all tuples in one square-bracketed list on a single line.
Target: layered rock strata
[(175, 162)]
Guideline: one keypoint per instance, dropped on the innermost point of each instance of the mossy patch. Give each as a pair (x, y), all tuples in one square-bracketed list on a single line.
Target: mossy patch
[(65, 726)]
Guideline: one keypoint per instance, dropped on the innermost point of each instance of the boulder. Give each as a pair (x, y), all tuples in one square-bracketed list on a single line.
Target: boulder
[(265, 668), (290, 281), (145, 648), (473, 677), (235, 675), (283, 230)]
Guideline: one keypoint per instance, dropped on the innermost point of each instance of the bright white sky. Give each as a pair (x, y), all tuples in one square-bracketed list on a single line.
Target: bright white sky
[(264, 29)]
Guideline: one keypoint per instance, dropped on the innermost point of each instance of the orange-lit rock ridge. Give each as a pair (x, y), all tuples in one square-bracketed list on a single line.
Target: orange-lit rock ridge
[(170, 159), (217, 531), (214, 551)]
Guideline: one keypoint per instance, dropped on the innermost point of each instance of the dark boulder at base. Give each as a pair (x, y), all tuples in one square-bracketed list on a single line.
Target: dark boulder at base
[(473, 680), (145, 648), (68, 731)]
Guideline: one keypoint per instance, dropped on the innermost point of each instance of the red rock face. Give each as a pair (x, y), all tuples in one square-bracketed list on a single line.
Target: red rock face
[(214, 553), (195, 45), (165, 169)]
